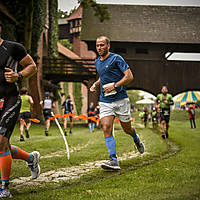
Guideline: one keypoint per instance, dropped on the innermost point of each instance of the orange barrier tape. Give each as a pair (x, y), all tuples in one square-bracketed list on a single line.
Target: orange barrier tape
[(116, 120), (83, 117), (34, 120)]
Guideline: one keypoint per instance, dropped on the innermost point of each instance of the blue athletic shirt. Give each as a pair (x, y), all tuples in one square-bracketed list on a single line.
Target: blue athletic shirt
[(111, 70)]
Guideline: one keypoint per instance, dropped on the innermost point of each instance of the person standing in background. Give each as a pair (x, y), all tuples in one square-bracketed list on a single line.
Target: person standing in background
[(25, 113), (191, 111)]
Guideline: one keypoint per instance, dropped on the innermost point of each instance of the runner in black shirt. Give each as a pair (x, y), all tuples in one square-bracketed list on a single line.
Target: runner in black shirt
[(12, 54)]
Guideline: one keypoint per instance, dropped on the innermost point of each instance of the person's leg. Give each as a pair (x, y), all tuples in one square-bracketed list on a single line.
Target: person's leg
[(28, 125), (194, 122), (167, 128), (163, 128), (8, 118), (128, 129), (32, 159), (21, 128), (65, 126), (93, 125), (107, 125), (71, 125), (90, 127), (18, 153), (47, 125), (5, 161), (191, 124)]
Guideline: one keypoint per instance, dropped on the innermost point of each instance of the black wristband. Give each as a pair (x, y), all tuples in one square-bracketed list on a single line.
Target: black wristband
[(20, 77)]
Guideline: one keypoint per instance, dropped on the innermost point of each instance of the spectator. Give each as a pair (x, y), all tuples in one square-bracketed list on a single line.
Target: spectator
[(191, 111)]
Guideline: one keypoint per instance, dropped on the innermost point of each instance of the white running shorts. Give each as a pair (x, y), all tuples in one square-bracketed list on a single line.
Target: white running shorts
[(120, 109)]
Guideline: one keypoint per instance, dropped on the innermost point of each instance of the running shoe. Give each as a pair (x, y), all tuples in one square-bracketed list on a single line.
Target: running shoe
[(163, 136), (65, 133), (166, 134), (5, 193), (27, 134), (46, 133), (140, 147), (21, 138), (111, 164), (34, 165), (70, 132)]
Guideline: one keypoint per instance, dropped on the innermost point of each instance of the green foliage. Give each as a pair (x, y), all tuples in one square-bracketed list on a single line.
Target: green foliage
[(99, 10), (134, 96), (17, 9), (77, 96), (62, 14), (66, 88), (53, 29), (8, 31), (39, 16), (67, 44)]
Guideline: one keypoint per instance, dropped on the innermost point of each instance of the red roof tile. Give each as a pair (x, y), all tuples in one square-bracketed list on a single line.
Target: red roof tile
[(76, 14)]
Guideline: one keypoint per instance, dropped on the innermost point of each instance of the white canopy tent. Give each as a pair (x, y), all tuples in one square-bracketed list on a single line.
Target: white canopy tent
[(145, 101)]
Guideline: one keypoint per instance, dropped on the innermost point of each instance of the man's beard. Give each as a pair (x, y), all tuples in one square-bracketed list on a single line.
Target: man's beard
[(105, 52)]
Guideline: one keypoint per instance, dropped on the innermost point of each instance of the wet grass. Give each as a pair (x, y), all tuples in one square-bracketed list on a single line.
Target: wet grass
[(170, 170)]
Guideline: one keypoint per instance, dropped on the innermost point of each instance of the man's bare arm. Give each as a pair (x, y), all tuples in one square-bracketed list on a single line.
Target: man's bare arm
[(93, 88)]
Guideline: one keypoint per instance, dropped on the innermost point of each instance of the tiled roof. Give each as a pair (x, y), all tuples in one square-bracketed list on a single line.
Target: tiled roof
[(138, 23), (76, 14), (66, 52)]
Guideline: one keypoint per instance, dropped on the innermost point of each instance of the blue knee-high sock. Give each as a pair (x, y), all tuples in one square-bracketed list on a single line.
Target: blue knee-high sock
[(93, 125), (135, 137), (111, 146), (90, 127)]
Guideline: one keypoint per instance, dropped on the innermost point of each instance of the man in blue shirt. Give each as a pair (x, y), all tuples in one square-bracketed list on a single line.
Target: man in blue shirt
[(114, 74)]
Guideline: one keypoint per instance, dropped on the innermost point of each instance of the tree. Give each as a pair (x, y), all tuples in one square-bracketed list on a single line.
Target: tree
[(134, 96), (62, 14), (100, 10)]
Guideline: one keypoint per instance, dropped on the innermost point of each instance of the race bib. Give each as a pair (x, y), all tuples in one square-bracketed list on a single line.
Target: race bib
[(166, 112), (110, 93)]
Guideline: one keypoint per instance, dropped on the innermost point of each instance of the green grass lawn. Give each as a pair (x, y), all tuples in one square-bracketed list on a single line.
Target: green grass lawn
[(170, 169)]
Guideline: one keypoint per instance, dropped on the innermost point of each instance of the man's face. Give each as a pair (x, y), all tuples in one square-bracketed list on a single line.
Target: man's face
[(164, 90), (102, 47)]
